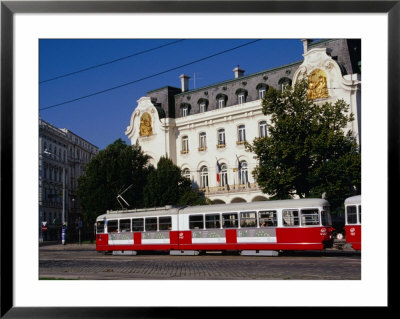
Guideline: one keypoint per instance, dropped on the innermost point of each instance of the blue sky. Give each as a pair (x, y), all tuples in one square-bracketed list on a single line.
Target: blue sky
[(103, 118)]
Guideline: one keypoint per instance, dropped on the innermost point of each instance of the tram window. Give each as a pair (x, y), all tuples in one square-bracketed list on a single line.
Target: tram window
[(326, 218), (164, 223), (213, 221), (359, 214), (100, 227), (151, 224), (196, 222), (229, 220), (309, 217), (290, 217), (267, 218), (248, 219), (137, 224), (125, 225), (351, 214), (112, 226)]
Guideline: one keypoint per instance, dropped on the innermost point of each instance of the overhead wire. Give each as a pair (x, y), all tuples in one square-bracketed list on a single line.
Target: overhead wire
[(149, 76), (110, 62)]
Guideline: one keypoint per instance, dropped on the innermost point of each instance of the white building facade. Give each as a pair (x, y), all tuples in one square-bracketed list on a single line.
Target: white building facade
[(204, 130)]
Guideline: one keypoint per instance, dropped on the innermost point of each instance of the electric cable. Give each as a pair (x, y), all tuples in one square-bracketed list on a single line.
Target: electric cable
[(148, 77)]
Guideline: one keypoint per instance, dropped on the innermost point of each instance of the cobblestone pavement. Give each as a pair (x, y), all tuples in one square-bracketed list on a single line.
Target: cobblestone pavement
[(83, 262)]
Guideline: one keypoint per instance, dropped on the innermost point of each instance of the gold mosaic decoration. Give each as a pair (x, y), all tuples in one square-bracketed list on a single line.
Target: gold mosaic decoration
[(317, 85), (145, 125)]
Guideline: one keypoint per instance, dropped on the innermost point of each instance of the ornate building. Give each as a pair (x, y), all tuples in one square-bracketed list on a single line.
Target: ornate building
[(203, 130), (63, 156)]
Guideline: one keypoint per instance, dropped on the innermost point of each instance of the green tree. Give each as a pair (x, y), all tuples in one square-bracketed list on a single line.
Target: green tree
[(307, 152), (112, 170), (166, 186)]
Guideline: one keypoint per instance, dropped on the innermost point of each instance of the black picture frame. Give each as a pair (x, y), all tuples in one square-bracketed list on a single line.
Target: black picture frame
[(9, 8)]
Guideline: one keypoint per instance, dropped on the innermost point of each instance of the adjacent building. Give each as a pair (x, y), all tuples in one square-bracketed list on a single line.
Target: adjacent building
[(203, 130), (63, 156)]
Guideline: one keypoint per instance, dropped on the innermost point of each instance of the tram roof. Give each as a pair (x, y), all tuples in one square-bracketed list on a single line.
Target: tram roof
[(216, 208), (353, 200)]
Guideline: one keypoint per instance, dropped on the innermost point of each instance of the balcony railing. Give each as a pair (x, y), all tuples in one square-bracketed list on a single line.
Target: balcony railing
[(248, 187)]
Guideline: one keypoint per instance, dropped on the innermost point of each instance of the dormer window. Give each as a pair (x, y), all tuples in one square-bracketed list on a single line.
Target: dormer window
[(262, 90), (203, 104), (185, 109), (221, 103), (221, 100), (241, 96)]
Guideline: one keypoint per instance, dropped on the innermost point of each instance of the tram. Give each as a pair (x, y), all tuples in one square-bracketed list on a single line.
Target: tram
[(256, 228), (352, 226)]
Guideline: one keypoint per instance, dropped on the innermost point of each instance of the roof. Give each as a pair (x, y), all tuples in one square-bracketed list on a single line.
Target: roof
[(353, 200)]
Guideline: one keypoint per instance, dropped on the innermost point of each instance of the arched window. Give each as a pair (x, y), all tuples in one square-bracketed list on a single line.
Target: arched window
[(262, 90), (241, 96), (185, 145), (221, 138), (243, 173), (284, 83), (203, 177), (185, 109), (203, 105), (241, 134), (262, 129), (224, 175), (202, 141), (186, 173), (221, 100)]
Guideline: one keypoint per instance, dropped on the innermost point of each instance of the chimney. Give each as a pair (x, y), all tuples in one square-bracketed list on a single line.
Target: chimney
[(306, 42), (184, 82), (238, 72)]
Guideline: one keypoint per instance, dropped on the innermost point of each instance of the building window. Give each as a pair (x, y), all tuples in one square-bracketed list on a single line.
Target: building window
[(221, 138), (185, 109), (203, 177), (241, 98), (221, 102), (243, 173), (241, 134), (186, 173), (284, 83), (262, 129), (185, 145), (261, 92), (202, 141), (224, 175), (203, 107)]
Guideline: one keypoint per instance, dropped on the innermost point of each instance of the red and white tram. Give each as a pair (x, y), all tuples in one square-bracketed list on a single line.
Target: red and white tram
[(353, 221), (257, 228)]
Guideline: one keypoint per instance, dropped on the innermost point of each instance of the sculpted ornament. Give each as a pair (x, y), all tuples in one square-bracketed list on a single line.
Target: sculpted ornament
[(145, 125), (317, 85)]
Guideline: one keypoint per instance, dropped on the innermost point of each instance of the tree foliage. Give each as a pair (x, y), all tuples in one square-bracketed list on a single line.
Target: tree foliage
[(166, 186), (307, 152), (111, 171)]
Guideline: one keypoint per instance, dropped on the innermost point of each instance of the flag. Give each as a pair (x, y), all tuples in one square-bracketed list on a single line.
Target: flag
[(239, 164), (218, 171)]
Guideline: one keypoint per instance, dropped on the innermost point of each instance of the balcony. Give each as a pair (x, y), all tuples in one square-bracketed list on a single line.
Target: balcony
[(221, 145), (228, 189)]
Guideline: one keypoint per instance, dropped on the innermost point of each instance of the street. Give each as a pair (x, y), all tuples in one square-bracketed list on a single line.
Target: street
[(83, 262)]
